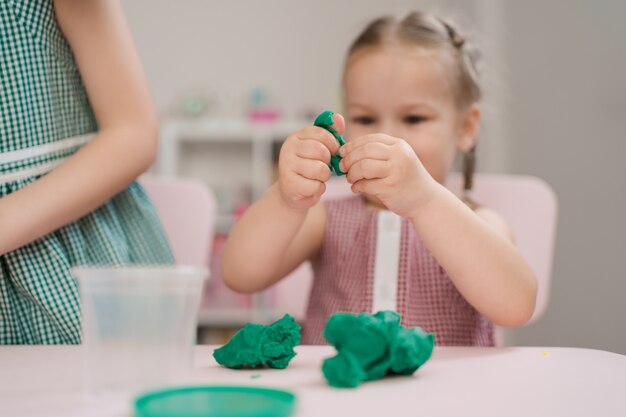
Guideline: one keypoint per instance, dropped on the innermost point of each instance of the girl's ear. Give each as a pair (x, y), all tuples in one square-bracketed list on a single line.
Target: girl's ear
[(468, 128)]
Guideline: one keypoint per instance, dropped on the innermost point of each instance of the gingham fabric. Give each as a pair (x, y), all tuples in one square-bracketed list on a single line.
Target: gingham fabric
[(344, 278), (42, 101)]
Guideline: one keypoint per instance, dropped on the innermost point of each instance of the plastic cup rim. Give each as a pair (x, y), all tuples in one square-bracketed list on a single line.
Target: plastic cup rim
[(139, 271)]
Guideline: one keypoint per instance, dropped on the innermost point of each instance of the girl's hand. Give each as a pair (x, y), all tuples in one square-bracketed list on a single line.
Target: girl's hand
[(303, 164), (388, 169)]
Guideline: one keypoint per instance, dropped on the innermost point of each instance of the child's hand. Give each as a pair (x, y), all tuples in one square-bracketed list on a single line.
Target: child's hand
[(388, 169), (303, 164)]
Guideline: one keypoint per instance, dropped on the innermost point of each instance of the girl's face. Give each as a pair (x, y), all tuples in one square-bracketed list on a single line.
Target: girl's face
[(408, 93)]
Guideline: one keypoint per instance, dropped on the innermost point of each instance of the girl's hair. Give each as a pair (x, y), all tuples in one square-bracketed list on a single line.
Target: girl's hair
[(427, 31)]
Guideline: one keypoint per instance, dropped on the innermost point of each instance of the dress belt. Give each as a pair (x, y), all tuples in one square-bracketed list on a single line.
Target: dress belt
[(41, 150)]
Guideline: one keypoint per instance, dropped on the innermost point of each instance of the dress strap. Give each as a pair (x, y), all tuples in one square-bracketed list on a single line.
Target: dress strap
[(388, 239)]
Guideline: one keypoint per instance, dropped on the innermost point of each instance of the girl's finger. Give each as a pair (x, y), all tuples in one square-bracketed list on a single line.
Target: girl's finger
[(364, 140), (313, 149), (321, 135), (371, 150), (371, 187), (340, 123), (367, 169), (313, 170)]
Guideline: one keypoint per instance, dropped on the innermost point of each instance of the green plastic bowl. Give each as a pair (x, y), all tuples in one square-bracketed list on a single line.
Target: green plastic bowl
[(213, 401)]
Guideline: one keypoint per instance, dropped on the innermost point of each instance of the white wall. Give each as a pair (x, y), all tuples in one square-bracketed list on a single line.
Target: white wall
[(567, 106), (557, 98), (294, 48)]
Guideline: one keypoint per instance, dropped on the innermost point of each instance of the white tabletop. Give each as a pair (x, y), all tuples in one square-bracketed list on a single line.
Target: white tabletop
[(45, 381)]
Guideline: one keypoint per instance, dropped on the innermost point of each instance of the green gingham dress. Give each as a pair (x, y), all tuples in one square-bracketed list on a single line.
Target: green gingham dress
[(45, 117)]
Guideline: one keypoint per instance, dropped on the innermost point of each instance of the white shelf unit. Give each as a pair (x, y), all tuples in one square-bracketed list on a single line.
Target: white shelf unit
[(240, 149), (243, 154), (260, 136)]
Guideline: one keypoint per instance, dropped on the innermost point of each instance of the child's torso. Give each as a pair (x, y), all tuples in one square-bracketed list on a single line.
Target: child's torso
[(344, 280)]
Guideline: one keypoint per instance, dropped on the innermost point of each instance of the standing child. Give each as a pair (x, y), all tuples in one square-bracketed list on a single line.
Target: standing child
[(76, 128), (412, 104)]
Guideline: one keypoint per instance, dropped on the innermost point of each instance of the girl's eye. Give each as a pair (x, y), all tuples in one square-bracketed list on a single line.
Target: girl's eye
[(413, 120), (363, 120)]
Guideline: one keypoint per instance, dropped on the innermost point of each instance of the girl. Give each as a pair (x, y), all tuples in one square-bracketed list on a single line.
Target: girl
[(412, 103), (76, 128)]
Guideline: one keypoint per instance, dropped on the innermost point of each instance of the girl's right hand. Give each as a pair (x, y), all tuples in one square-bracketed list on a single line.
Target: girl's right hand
[(303, 164)]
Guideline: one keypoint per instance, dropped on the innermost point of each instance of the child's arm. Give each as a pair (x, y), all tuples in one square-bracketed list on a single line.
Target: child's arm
[(286, 226), (474, 248), (125, 145), (477, 252)]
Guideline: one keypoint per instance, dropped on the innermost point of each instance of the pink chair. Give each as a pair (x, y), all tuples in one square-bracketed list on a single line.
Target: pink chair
[(528, 204), (187, 208)]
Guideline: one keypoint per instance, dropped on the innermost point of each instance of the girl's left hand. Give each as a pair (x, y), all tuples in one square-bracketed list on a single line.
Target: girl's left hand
[(388, 169)]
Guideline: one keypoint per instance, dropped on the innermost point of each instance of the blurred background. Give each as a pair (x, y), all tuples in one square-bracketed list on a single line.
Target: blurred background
[(231, 78)]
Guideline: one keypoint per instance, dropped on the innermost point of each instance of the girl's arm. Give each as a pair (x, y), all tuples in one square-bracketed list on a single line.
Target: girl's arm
[(269, 241), (127, 140), (477, 252), (286, 226)]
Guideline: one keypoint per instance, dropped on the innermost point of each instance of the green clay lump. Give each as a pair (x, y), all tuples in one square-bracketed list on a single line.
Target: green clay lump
[(325, 121), (258, 345), (372, 346)]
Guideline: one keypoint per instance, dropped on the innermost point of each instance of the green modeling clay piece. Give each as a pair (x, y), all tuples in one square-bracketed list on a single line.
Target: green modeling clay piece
[(325, 121), (258, 345), (372, 346)]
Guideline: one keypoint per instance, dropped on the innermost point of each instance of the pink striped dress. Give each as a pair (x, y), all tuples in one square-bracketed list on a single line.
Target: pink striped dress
[(344, 276)]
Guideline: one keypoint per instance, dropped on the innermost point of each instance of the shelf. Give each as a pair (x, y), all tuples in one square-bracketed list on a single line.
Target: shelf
[(175, 133), (224, 222)]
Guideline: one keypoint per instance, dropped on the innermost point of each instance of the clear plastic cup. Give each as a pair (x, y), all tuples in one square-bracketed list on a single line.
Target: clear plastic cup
[(139, 326)]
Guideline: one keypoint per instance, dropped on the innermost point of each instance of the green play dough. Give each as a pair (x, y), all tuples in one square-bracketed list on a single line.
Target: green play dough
[(372, 346), (258, 345), (325, 121)]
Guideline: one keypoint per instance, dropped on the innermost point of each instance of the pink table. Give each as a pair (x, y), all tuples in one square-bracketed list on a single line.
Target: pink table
[(45, 381)]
